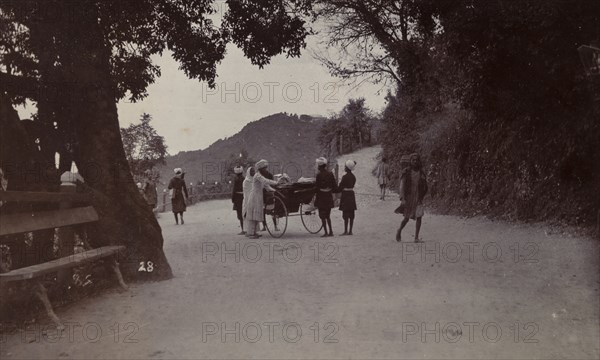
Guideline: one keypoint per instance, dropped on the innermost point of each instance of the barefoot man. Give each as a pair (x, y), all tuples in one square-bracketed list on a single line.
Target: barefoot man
[(413, 187)]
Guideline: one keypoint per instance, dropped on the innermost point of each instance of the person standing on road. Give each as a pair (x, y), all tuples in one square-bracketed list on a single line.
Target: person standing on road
[(237, 195), (178, 189), (247, 189), (268, 199), (348, 199), (149, 188), (326, 186), (413, 187), (255, 209), (383, 179)]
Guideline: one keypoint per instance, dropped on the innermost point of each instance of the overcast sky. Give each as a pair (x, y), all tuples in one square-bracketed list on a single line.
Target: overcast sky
[(191, 116)]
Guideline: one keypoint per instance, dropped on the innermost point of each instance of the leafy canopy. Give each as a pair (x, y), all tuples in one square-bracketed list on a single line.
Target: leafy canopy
[(135, 30), (144, 148)]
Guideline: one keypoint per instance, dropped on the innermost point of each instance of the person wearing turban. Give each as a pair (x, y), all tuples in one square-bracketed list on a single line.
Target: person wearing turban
[(348, 199), (413, 187), (178, 189), (326, 186), (237, 195), (255, 207)]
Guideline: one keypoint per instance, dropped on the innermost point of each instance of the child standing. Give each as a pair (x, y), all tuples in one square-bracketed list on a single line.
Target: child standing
[(348, 199)]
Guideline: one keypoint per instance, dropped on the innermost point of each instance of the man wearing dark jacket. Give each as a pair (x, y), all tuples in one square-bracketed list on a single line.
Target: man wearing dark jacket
[(326, 186), (237, 195)]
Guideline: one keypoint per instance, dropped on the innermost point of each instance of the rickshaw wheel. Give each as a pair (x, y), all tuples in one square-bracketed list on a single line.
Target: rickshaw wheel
[(310, 218), (276, 218)]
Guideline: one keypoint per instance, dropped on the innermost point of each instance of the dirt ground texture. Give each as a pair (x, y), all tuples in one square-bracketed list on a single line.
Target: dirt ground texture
[(474, 288)]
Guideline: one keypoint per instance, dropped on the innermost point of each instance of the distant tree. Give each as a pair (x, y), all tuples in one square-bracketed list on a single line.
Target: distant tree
[(359, 119), (348, 130), (144, 148), (329, 137), (237, 159)]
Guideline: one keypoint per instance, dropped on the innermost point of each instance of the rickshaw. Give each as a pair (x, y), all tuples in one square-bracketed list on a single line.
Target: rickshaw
[(295, 199)]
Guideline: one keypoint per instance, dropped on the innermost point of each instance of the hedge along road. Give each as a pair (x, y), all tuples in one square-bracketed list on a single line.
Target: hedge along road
[(474, 289)]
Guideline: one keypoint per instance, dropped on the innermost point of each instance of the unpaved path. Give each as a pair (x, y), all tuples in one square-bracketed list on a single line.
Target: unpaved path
[(474, 289)]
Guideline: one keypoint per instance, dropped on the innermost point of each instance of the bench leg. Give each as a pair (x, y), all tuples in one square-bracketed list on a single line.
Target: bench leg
[(115, 267), (3, 299), (42, 294)]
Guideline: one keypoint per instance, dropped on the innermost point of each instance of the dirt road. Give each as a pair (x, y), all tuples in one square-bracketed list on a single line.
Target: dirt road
[(474, 289)]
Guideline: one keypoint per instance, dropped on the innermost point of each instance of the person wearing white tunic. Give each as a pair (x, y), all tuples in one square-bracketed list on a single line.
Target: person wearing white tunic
[(247, 189), (255, 206)]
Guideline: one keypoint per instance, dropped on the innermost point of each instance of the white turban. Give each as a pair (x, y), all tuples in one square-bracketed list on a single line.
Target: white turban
[(238, 170), (321, 161), (177, 171), (261, 164), (350, 164)]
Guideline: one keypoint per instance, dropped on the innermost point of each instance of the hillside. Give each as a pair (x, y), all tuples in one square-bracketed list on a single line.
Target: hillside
[(288, 142)]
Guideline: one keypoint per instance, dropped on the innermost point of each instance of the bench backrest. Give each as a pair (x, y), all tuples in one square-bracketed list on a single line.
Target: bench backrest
[(40, 220)]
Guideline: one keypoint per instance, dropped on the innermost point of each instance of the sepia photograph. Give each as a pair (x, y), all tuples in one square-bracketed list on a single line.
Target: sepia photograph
[(299, 179)]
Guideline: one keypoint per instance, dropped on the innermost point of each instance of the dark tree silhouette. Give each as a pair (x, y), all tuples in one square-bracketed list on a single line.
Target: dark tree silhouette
[(77, 58)]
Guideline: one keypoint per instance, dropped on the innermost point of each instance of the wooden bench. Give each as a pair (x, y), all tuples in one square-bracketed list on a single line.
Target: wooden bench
[(25, 222)]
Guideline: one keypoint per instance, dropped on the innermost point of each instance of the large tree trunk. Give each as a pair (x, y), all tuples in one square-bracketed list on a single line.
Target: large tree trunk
[(16, 162), (125, 218)]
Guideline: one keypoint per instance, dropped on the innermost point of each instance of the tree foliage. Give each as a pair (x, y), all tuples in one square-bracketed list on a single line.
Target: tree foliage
[(380, 39), (137, 29), (348, 130), (525, 126), (265, 28), (533, 128), (144, 148)]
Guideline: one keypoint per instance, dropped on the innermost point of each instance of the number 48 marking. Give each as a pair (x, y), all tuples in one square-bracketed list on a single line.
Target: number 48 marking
[(146, 266)]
